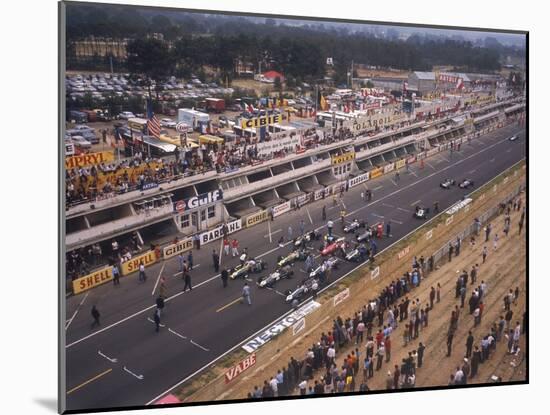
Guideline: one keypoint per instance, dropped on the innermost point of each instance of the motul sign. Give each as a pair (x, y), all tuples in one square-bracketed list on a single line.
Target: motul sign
[(240, 368)]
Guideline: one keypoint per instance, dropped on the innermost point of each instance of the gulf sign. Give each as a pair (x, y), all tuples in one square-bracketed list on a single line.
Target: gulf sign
[(261, 121), (90, 159), (92, 280), (240, 367), (148, 258)]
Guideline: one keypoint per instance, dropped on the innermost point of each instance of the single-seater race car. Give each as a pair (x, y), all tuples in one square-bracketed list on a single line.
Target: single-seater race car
[(307, 286), (447, 183), (297, 255), (466, 183), (421, 212), (367, 234), (353, 226), (354, 255), (307, 237), (333, 247), (330, 263), (274, 277), (251, 265)]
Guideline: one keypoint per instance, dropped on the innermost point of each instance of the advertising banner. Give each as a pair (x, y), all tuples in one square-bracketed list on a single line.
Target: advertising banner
[(341, 296), (432, 151), (389, 167), (198, 201), (400, 163), (358, 179), (256, 218), (344, 158), (370, 123), (261, 121), (175, 249), (148, 258), (280, 209), (375, 273), (411, 159), (92, 280), (280, 326), (217, 232), (236, 370), (376, 173), (267, 148), (90, 159), (298, 326)]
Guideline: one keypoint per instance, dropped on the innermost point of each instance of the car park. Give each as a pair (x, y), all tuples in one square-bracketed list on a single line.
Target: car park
[(81, 142), (168, 123), (125, 115)]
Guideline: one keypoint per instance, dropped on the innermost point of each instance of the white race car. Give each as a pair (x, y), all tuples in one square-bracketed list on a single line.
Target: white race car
[(274, 277)]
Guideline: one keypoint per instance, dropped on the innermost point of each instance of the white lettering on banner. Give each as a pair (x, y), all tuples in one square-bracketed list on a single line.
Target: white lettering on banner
[(302, 199), (268, 147), (482, 196), (280, 209), (505, 180), (467, 208), (495, 188), (375, 273), (457, 206), (358, 179), (298, 326), (403, 252), (217, 232), (254, 344), (198, 201), (515, 173), (449, 220), (389, 168), (341, 296), (319, 194), (429, 234), (371, 122)]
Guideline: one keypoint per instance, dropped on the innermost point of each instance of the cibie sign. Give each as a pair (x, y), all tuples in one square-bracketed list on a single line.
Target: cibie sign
[(261, 121)]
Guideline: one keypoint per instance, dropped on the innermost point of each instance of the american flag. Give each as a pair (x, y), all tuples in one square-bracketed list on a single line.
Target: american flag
[(153, 126)]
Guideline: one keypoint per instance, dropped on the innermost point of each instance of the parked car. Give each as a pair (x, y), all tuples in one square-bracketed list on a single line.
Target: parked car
[(466, 183), (168, 123), (447, 183), (81, 142), (126, 115)]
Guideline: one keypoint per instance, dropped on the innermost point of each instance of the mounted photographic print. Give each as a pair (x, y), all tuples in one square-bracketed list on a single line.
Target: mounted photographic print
[(261, 207)]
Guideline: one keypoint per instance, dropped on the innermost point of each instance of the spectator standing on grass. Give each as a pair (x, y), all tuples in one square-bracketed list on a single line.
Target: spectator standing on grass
[(476, 360), (495, 242), (521, 219), (469, 344), (438, 293), (380, 356), (484, 254), (487, 232)]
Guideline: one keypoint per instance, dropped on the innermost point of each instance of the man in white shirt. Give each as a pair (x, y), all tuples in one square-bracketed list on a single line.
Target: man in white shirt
[(274, 387), (459, 376)]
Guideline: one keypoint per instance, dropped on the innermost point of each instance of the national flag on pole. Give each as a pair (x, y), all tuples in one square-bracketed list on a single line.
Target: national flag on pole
[(153, 126), (460, 84)]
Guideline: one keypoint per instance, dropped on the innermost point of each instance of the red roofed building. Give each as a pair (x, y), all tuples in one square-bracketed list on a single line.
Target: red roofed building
[(271, 75)]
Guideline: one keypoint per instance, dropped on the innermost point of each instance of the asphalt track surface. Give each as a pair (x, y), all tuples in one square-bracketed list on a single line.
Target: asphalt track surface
[(124, 362)]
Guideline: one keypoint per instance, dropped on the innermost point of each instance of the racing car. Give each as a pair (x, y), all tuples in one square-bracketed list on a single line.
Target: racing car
[(353, 226), (308, 285), (299, 254), (353, 255), (279, 274), (464, 184), (421, 212), (367, 234), (331, 263), (514, 137), (252, 265), (307, 237), (334, 246), (447, 183)]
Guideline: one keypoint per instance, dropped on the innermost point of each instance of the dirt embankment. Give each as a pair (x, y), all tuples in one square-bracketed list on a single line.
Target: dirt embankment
[(504, 269)]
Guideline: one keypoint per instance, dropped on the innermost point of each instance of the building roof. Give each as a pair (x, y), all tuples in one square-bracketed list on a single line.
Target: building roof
[(273, 75), (430, 76)]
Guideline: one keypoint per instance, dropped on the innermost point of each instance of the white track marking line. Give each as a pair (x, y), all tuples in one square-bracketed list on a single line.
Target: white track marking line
[(112, 360), (388, 205), (177, 334), (153, 321), (140, 377), (378, 188), (472, 171), (429, 165), (278, 247), (403, 210), (269, 231), (413, 173), (396, 221), (76, 311), (416, 203), (158, 279), (377, 215), (273, 233), (309, 215), (198, 345), (393, 182)]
